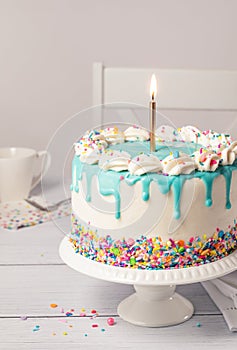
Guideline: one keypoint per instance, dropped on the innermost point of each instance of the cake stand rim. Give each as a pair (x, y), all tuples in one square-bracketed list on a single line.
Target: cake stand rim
[(164, 277)]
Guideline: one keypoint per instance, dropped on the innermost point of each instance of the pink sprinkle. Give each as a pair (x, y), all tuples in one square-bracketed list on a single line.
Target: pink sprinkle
[(130, 241), (95, 325), (121, 178), (110, 321), (23, 318), (63, 321), (213, 161), (82, 314)]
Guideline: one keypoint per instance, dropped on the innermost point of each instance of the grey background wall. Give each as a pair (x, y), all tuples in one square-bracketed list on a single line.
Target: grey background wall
[(47, 48)]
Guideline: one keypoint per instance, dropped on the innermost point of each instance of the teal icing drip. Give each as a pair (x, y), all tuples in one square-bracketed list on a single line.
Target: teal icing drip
[(76, 173), (208, 178), (109, 184), (227, 173), (89, 172), (177, 189), (146, 180), (164, 182), (109, 181)]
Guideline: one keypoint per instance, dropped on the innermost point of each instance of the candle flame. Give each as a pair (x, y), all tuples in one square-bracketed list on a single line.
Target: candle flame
[(153, 87)]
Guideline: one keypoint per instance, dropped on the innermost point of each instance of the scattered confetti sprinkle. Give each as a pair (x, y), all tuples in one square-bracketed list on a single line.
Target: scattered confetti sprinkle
[(62, 320), (110, 321), (93, 311), (53, 306), (65, 333), (16, 215), (95, 325), (69, 314), (36, 328), (23, 318), (198, 324), (102, 330)]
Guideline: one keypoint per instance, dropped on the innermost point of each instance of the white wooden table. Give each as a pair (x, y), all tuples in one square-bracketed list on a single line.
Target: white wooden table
[(33, 276)]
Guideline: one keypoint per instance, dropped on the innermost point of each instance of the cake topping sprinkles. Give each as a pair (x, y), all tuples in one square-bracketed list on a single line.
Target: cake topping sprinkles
[(153, 253)]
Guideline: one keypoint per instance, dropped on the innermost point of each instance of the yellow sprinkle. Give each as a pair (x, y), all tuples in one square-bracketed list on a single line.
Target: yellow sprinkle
[(64, 333)]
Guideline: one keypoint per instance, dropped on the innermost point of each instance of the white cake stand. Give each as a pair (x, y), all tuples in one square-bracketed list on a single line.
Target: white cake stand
[(155, 303)]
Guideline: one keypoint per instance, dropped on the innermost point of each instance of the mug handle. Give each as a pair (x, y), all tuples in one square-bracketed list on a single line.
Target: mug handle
[(47, 163)]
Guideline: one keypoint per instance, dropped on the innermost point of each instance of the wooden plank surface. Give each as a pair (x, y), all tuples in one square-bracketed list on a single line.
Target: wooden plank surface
[(35, 245), (31, 289), (17, 334)]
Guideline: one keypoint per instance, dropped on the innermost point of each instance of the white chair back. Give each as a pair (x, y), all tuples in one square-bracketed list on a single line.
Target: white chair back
[(205, 98)]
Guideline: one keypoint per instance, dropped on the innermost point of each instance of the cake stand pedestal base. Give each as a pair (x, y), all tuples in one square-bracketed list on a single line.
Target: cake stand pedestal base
[(155, 303), (155, 306)]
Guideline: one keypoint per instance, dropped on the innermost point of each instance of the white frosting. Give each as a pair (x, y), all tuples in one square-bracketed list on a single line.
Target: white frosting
[(167, 133), (91, 141), (114, 160), (134, 133), (228, 154), (113, 135), (154, 216), (206, 160), (143, 164), (192, 134), (183, 164), (189, 133), (91, 156), (217, 141)]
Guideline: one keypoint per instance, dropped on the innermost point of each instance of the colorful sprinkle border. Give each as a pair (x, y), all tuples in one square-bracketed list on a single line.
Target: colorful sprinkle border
[(152, 253)]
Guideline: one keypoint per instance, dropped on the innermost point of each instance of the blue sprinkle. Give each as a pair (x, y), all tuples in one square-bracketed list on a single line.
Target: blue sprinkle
[(176, 154)]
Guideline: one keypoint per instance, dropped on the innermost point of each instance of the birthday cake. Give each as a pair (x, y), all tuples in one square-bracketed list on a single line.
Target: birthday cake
[(172, 208)]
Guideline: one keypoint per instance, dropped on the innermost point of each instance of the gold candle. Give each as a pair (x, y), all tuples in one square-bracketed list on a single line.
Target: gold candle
[(152, 110)]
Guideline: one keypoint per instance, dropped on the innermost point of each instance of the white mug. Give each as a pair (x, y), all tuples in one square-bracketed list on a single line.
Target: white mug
[(20, 171)]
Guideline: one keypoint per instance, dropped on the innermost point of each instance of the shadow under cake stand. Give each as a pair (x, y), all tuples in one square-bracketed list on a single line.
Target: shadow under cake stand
[(155, 302)]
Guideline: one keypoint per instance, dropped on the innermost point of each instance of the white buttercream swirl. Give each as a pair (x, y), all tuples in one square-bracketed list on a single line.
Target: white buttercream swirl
[(181, 163), (218, 141), (114, 160), (135, 133), (190, 133), (228, 154), (91, 141), (91, 156), (144, 163), (167, 133), (113, 135), (206, 160)]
